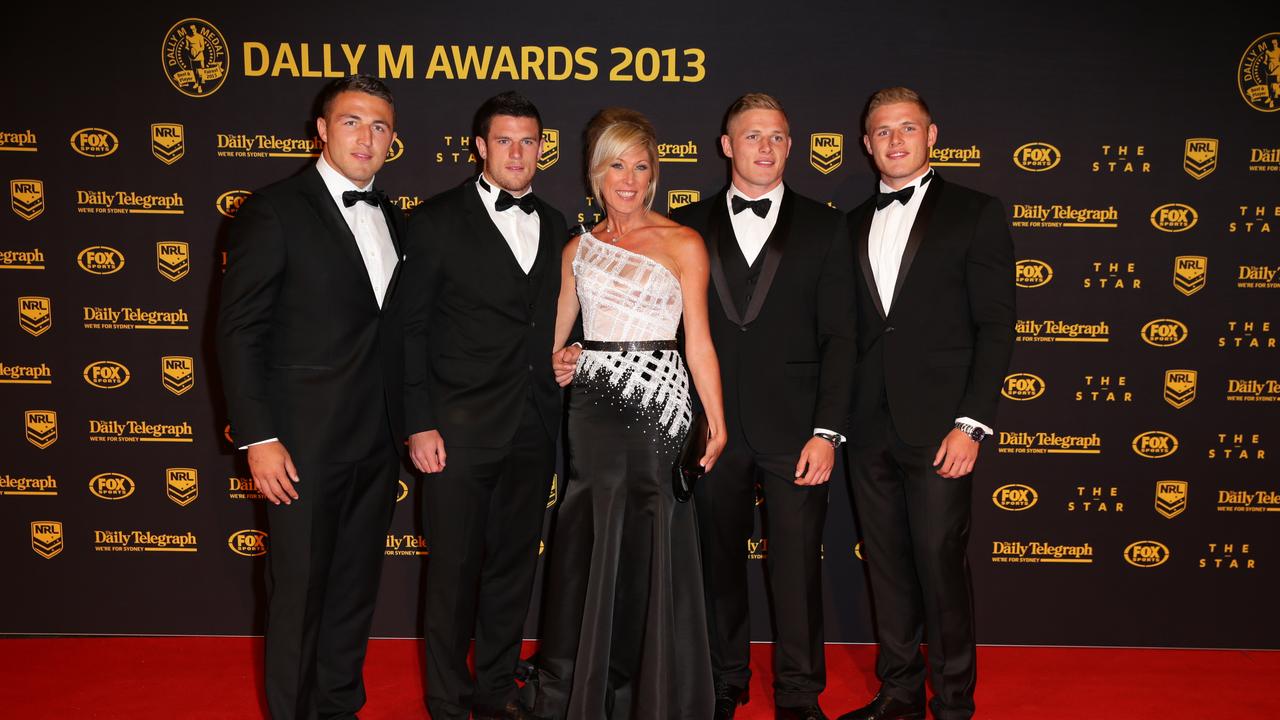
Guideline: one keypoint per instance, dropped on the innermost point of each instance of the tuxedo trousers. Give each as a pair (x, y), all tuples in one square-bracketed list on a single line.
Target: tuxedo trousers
[(793, 517), (484, 515), (915, 530), (323, 570)]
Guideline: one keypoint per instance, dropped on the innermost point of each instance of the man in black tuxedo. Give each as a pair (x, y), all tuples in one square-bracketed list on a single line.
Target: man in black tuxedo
[(935, 333), (312, 352), (483, 406), (782, 319)]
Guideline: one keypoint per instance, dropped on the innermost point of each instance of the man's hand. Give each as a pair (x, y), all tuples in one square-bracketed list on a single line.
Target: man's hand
[(956, 455), (563, 363), (273, 472), (426, 449), (816, 460)]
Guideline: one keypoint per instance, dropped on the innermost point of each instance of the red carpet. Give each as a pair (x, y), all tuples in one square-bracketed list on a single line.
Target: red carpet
[(143, 678)]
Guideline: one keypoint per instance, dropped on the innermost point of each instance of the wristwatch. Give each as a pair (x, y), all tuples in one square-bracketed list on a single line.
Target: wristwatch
[(832, 438), (974, 432)]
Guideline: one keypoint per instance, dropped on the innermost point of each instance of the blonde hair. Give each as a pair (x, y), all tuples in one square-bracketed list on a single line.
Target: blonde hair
[(891, 95), (751, 101), (611, 133)]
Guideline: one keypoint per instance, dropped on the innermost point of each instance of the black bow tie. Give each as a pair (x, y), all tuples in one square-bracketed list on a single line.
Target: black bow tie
[(373, 197), (759, 207), (505, 200), (885, 199)]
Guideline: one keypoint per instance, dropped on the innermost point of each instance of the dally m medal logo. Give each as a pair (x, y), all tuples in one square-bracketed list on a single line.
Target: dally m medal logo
[(35, 315), (168, 142), (194, 57), (1171, 497), (1179, 387), (42, 427), (1200, 157), (1258, 76), (177, 373), (173, 260), (1190, 273), (181, 485), (46, 538), (826, 151), (550, 148), (680, 198), (26, 198)]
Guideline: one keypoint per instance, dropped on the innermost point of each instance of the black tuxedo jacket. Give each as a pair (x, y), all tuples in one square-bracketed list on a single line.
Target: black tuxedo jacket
[(943, 349), (307, 355), (786, 360), (479, 332)]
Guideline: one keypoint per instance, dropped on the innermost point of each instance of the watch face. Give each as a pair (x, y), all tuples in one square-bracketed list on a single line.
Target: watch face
[(977, 434)]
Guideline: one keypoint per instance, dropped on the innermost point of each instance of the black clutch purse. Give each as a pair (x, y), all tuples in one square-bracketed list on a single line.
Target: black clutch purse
[(686, 470)]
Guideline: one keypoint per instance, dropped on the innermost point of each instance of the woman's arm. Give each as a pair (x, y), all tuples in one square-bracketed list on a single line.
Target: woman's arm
[(690, 254), (566, 314)]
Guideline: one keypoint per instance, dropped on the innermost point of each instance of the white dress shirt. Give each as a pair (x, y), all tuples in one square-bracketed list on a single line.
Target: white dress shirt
[(886, 243), (752, 230), (519, 228), (368, 225)]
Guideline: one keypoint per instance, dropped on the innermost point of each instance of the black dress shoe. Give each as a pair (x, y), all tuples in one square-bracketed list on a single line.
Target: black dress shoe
[(808, 712), (513, 711), (884, 707), (728, 698)]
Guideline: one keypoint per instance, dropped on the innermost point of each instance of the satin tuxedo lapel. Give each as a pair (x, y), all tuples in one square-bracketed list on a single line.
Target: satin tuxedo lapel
[(318, 195), (864, 258), (919, 230), (482, 224), (722, 227), (388, 214), (544, 244)]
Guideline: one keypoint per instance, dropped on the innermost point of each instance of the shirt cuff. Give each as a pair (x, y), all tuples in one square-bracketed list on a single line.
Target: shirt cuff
[(817, 430), (971, 421), (260, 442)]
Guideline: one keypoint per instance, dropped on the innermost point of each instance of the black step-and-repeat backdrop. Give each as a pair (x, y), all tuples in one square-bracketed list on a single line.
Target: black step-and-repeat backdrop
[(1130, 496)]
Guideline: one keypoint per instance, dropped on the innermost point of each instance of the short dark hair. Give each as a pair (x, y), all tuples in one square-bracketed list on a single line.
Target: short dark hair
[(508, 103), (367, 84)]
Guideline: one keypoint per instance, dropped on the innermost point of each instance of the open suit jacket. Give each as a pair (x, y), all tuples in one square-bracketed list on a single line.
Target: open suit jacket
[(480, 331), (785, 359), (307, 355), (943, 349)]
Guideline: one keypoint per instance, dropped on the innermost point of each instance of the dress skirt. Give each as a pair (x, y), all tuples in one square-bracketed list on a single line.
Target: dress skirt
[(624, 631)]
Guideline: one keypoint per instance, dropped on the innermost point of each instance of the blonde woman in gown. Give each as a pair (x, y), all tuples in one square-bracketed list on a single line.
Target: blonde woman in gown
[(624, 621)]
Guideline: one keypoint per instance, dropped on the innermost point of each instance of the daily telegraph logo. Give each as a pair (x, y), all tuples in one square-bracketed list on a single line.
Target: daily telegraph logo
[(177, 373), (1062, 331), (1164, 332), (111, 486), (1179, 387), (264, 145), (1060, 216), (44, 485), (1248, 501), (1031, 273), (35, 315), (1035, 551), (26, 198), (1146, 553), (32, 259), (1022, 387), (40, 374), (1190, 272), (181, 485), (230, 201), (194, 57), (134, 318), (1174, 217), (24, 141), (1258, 75), (46, 538), (244, 488), (41, 427), (1155, 444), (411, 545), (685, 152), (168, 142), (130, 431), (1258, 277), (955, 156), (127, 202), (1200, 157), (826, 151), (94, 142), (1171, 497), (144, 541), (1015, 497), (106, 375), (1039, 443), (100, 260), (550, 148), (680, 198), (173, 260), (1037, 157), (1253, 390)]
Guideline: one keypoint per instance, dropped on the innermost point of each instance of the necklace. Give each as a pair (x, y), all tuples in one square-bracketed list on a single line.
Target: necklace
[(608, 227)]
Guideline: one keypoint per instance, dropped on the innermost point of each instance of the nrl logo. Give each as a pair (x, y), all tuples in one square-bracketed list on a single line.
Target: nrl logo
[(826, 151), (167, 142), (181, 485), (680, 198), (35, 315), (1171, 497), (46, 538), (173, 260), (177, 373), (1190, 273), (1179, 387), (194, 56), (26, 198), (1201, 157), (550, 148), (42, 427)]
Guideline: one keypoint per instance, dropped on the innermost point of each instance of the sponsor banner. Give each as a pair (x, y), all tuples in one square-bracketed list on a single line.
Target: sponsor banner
[(1171, 497), (144, 541), (1031, 273), (168, 142), (1253, 390), (177, 373), (1062, 331), (550, 153), (41, 427), (1155, 444), (128, 202), (1190, 272), (1238, 446), (685, 152), (1248, 501), (826, 152), (32, 259), (248, 543), (181, 485), (26, 198), (94, 142), (1015, 497), (1122, 159), (243, 488), (106, 374), (1258, 75), (173, 260), (1040, 551), (1026, 215), (1248, 335), (680, 198), (1174, 217), (15, 374), (1164, 332), (406, 545), (1200, 157), (1258, 277), (1228, 556), (19, 141), (230, 201), (967, 157), (1146, 553), (1039, 443), (111, 486), (1264, 159), (43, 485), (1037, 157), (194, 57), (262, 145), (35, 314), (757, 548), (46, 538), (134, 318), (1022, 387), (1180, 387), (100, 260), (131, 431)]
